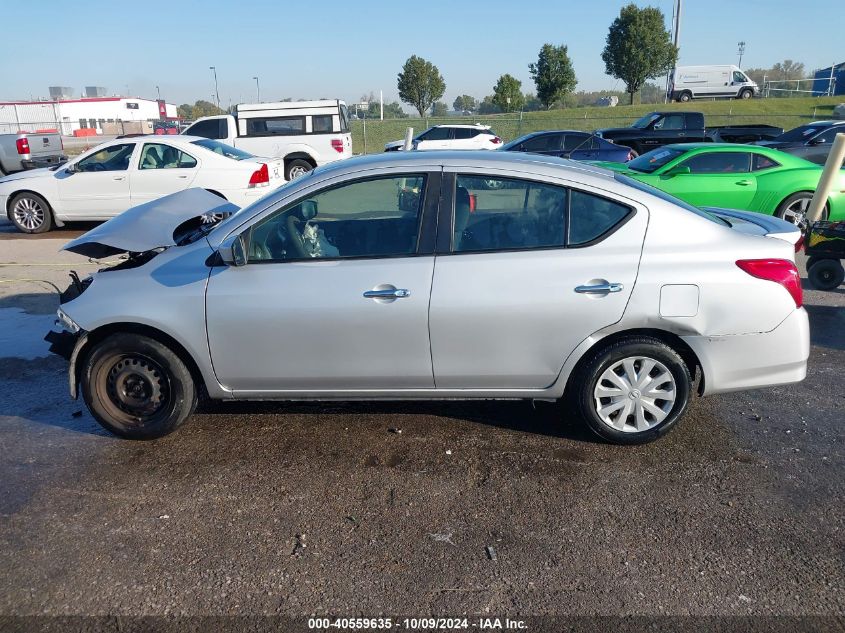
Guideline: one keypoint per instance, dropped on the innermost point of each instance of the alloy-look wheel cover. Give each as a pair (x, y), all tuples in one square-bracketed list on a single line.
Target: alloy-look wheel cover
[(635, 394), (28, 213), (797, 212)]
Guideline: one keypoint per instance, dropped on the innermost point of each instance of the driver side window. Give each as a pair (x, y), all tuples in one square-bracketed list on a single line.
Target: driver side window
[(111, 158), (377, 217)]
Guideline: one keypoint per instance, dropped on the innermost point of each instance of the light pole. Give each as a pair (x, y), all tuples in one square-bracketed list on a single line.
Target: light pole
[(158, 92), (741, 50), (257, 90), (216, 91)]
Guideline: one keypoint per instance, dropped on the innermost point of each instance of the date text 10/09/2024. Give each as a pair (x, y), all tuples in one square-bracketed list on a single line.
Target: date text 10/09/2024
[(411, 624)]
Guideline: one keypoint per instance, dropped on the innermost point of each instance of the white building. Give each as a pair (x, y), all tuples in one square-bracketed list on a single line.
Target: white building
[(67, 115)]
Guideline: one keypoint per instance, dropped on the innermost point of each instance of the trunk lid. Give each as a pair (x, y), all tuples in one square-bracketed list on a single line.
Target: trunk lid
[(156, 224), (752, 223)]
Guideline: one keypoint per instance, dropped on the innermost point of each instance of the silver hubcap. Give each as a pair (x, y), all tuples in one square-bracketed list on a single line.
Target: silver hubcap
[(797, 211), (28, 213), (634, 394), (296, 172)]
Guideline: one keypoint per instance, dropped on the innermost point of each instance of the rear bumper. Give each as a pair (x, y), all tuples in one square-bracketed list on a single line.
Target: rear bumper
[(750, 361), (43, 161)]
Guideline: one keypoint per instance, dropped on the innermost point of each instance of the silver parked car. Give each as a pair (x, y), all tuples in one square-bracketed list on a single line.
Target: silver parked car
[(406, 276)]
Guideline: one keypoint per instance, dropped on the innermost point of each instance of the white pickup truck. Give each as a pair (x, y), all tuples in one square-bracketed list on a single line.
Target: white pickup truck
[(305, 134), (26, 150)]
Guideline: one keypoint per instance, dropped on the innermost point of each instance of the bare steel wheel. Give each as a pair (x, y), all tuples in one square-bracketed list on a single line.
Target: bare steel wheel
[(137, 387), (30, 213), (633, 390), (634, 394)]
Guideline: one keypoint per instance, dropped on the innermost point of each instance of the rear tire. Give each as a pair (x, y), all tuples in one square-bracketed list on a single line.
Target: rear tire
[(296, 168), (136, 387), (685, 96), (632, 391), (30, 213), (826, 274), (794, 208)]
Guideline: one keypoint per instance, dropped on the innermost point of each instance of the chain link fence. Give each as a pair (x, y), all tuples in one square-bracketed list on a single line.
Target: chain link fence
[(370, 135)]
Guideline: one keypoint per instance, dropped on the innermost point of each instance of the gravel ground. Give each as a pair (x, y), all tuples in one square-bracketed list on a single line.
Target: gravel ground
[(414, 509)]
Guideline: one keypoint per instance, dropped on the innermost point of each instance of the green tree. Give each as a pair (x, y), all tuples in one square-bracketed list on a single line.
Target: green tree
[(487, 106), (465, 103), (392, 110), (205, 108), (638, 47), (420, 84), (185, 111), (553, 74), (439, 109), (507, 94), (532, 103)]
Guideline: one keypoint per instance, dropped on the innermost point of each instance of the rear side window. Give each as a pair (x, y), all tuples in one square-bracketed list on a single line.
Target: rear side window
[(344, 118), (462, 133), (211, 128), (542, 143), (321, 123), (719, 163), (763, 162), (507, 214), (575, 141), (277, 126), (591, 217)]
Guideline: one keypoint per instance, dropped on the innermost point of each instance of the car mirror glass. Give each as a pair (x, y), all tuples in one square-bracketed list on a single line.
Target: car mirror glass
[(233, 250)]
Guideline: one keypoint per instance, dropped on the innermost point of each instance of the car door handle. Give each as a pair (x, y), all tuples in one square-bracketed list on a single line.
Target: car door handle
[(744, 183), (181, 176), (392, 293), (599, 288), (118, 178)]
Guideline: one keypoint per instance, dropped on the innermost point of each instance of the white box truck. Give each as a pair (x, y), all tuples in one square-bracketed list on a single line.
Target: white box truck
[(698, 82), (305, 134)]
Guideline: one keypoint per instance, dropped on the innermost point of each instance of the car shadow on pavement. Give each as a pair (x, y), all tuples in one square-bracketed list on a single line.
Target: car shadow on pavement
[(540, 418), (827, 326)]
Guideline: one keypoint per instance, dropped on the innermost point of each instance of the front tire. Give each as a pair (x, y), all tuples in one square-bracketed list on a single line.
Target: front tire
[(136, 387), (30, 213), (746, 94), (633, 391)]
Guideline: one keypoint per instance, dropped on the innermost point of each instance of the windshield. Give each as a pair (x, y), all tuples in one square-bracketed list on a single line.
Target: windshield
[(644, 121), (654, 160), (636, 184), (798, 134), (224, 150)]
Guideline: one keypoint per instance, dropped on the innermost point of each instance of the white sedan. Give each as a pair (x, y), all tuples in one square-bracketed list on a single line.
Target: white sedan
[(123, 173)]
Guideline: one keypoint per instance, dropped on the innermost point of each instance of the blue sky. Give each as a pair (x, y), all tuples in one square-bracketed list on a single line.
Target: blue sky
[(347, 49)]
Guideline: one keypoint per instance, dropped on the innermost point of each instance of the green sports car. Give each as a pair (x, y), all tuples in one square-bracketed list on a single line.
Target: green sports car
[(731, 176)]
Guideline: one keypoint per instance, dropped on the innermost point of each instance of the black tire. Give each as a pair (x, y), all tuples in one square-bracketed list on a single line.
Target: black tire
[(810, 261), (685, 96), (136, 387), (784, 213), (826, 274), (587, 377), (33, 216), (296, 168)]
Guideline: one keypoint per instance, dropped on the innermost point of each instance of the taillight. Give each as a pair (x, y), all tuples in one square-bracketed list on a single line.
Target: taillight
[(781, 271), (22, 145), (337, 144), (260, 177), (799, 244), (495, 140)]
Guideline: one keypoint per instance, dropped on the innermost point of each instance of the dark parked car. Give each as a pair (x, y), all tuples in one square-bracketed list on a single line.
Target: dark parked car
[(569, 144), (811, 142)]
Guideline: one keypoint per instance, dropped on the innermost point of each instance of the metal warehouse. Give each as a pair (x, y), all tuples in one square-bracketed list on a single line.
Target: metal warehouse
[(89, 113)]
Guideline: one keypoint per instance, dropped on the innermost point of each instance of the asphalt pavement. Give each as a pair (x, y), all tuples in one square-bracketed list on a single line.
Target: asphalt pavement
[(489, 509)]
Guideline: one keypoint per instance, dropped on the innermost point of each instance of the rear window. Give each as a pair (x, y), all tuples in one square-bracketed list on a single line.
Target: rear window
[(654, 160), (224, 150), (636, 184), (798, 134)]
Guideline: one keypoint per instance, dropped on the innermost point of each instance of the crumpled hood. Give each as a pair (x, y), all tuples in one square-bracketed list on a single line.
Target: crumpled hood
[(27, 173), (149, 225)]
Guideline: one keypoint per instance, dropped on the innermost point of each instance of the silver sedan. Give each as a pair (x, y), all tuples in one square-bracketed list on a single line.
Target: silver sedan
[(426, 275)]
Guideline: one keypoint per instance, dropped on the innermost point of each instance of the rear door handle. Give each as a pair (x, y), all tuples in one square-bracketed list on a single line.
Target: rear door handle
[(118, 178), (599, 288), (393, 293), (181, 176)]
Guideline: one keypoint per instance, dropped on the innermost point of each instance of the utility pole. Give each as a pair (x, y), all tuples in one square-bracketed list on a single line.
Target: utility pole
[(676, 40), (158, 92), (216, 91), (741, 51), (257, 90), (381, 104)]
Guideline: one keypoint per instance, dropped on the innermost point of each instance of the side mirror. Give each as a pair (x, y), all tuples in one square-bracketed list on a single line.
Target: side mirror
[(71, 169), (816, 141), (233, 251), (680, 170)]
